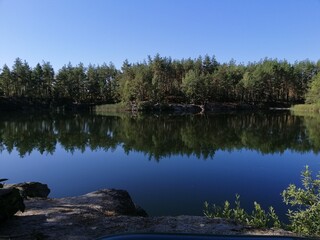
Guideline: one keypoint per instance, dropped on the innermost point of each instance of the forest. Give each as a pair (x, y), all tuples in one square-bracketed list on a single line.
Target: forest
[(164, 80)]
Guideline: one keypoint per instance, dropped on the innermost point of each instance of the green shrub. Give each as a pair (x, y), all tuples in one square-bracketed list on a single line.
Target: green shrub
[(313, 94), (258, 218), (304, 217), (306, 108), (273, 218), (116, 107)]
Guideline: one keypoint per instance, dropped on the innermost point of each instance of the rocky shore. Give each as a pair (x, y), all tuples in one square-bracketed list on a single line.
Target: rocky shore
[(193, 108), (106, 212)]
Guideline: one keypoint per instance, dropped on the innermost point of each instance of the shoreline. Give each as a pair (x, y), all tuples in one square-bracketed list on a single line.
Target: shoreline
[(26, 104), (107, 212), (215, 107)]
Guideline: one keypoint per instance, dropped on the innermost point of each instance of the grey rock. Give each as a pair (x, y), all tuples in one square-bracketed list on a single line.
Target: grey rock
[(141, 212), (31, 189), (10, 203), (103, 213)]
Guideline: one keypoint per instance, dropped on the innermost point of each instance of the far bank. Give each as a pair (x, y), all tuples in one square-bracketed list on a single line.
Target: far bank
[(306, 108), (211, 107)]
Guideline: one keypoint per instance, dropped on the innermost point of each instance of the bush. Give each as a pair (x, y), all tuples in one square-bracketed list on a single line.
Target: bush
[(313, 94), (304, 217), (258, 218), (306, 108)]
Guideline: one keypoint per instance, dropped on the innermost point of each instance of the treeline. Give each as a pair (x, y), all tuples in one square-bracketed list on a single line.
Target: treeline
[(162, 80), (202, 80), (71, 84)]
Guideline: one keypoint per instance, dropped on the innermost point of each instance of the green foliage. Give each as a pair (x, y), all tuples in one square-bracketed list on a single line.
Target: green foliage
[(196, 87), (6, 83), (163, 80), (136, 83), (305, 218), (306, 108), (110, 108), (216, 211), (259, 218), (239, 213), (273, 217), (313, 94)]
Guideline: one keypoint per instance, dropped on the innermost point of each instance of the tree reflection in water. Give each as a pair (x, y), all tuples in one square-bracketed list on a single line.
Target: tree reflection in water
[(162, 135)]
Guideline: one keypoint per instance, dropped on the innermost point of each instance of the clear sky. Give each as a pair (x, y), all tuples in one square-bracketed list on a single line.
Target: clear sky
[(97, 31)]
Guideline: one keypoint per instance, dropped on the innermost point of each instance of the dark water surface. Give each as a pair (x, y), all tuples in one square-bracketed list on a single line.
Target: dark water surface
[(169, 164)]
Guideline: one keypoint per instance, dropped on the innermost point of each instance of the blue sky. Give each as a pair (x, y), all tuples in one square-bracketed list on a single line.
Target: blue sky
[(97, 31)]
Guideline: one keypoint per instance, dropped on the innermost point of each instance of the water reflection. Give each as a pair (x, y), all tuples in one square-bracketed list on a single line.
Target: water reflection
[(161, 136), (256, 155)]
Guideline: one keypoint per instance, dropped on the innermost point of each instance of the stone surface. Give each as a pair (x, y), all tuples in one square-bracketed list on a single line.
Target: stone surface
[(103, 213), (31, 189)]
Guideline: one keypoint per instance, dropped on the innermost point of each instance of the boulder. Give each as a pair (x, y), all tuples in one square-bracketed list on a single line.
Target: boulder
[(10, 203), (31, 189), (109, 202)]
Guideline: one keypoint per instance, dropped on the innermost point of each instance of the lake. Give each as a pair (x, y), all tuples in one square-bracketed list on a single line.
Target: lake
[(170, 164)]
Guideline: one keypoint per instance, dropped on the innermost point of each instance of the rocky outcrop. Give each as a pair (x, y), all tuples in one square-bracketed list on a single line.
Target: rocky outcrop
[(106, 212), (10, 203), (31, 189), (12, 195), (147, 106)]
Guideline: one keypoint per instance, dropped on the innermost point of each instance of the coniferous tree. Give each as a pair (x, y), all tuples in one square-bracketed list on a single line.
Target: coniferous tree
[(6, 82)]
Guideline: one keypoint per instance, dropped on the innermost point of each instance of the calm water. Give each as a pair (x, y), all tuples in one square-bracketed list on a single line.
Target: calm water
[(169, 164)]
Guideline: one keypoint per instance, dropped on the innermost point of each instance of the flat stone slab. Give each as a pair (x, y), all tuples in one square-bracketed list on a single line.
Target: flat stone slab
[(103, 213)]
